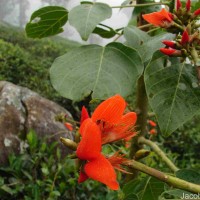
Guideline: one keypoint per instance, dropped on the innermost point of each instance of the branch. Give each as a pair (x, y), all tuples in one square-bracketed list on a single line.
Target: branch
[(140, 5), (159, 152), (171, 180)]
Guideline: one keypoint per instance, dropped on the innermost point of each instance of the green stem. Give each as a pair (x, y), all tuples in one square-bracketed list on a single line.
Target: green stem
[(171, 180), (142, 113), (140, 5), (159, 152)]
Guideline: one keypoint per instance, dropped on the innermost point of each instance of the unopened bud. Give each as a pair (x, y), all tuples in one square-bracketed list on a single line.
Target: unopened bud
[(188, 5), (185, 38), (178, 5), (171, 52), (142, 153), (197, 12), (69, 143), (169, 43)]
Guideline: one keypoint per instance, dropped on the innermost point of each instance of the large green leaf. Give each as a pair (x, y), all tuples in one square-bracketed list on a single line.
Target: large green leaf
[(46, 22), (87, 16), (152, 189), (147, 188), (174, 194), (104, 71), (173, 93), (189, 175), (145, 44)]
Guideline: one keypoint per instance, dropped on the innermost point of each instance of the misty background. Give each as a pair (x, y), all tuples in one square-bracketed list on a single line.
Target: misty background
[(18, 13)]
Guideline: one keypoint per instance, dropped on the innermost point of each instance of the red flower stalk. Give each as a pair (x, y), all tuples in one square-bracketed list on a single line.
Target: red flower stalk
[(162, 18), (111, 121), (97, 166), (170, 52), (188, 5), (152, 123), (178, 5), (197, 12), (185, 37), (169, 43)]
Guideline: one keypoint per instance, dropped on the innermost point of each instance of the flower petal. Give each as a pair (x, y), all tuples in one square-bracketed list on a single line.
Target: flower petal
[(82, 177), (110, 110), (90, 145), (84, 114), (101, 170), (123, 129), (158, 18)]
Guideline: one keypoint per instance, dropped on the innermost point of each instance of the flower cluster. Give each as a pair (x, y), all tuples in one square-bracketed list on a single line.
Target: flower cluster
[(107, 124), (184, 24)]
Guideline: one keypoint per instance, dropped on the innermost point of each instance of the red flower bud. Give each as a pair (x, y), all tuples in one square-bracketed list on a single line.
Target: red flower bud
[(188, 5), (197, 12), (169, 43), (152, 131), (152, 123), (69, 126), (178, 4), (168, 52), (185, 38)]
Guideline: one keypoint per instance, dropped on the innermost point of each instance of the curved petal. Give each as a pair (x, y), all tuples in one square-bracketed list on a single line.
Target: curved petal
[(90, 145), (110, 110), (82, 177), (101, 170), (158, 18), (123, 129), (84, 114)]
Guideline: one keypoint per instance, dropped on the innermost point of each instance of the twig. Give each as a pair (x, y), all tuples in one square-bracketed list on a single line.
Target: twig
[(171, 180), (159, 152)]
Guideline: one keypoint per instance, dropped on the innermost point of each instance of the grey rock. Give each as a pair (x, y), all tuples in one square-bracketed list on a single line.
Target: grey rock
[(22, 110)]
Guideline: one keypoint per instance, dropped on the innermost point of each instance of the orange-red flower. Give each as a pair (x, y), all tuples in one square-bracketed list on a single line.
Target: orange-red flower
[(162, 18), (107, 124), (111, 121), (97, 166)]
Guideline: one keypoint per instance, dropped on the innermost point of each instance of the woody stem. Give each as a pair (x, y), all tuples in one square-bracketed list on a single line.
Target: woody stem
[(171, 180), (140, 5), (159, 152), (142, 113)]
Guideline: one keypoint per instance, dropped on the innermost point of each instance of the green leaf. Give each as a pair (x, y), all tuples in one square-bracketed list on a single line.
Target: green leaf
[(46, 22), (173, 93), (104, 71), (105, 32), (188, 175), (146, 188), (131, 197), (152, 190), (145, 44), (7, 189), (32, 139), (86, 17), (173, 194)]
